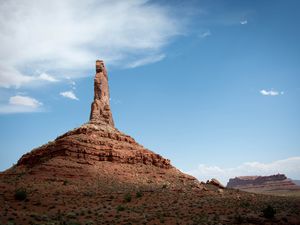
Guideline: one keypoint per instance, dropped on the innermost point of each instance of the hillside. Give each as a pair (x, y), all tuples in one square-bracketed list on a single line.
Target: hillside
[(95, 174)]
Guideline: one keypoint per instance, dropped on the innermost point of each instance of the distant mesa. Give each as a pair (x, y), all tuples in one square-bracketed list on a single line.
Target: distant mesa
[(274, 184)]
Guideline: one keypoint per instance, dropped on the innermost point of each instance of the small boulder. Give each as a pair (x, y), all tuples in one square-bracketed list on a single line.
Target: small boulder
[(215, 182)]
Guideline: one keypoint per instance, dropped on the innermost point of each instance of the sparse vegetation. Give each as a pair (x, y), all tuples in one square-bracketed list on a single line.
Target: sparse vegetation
[(120, 208), (238, 219), (269, 212), (139, 194), (127, 197), (21, 194)]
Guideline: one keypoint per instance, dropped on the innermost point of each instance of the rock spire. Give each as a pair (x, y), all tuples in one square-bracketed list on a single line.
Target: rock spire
[(100, 108)]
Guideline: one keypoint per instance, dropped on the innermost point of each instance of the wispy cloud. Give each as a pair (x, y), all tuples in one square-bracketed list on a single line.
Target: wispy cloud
[(10, 77), (47, 77), (146, 60), (289, 166), (205, 34), (244, 22), (69, 94), (271, 92), (65, 37), (24, 101), (20, 104)]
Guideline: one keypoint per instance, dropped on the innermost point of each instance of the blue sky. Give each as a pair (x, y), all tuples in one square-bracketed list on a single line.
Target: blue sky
[(212, 85)]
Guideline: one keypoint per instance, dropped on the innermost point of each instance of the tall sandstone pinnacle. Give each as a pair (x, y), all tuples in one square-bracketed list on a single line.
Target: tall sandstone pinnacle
[(98, 140), (97, 152), (100, 109)]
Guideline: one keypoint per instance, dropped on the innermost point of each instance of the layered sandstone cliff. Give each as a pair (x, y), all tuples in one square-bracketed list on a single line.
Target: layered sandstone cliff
[(263, 184)]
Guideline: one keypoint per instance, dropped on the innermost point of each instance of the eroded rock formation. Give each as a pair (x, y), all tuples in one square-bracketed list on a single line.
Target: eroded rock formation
[(100, 109), (97, 140)]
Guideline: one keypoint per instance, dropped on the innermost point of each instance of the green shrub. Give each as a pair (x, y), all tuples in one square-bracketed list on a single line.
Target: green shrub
[(238, 219), (127, 197), (21, 194), (120, 208), (269, 212), (139, 194)]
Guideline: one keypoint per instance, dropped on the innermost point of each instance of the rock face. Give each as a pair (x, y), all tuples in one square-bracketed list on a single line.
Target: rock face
[(97, 140), (100, 109), (263, 184)]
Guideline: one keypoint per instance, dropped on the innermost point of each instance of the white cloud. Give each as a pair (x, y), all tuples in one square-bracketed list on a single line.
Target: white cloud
[(69, 94), (205, 34), (243, 22), (24, 101), (271, 93), (47, 77), (20, 104), (10, 76), (290, 167), (66, 37), (146, 60)]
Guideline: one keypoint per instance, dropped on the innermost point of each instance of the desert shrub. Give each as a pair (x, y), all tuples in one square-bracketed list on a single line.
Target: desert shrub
[(127, 197), (164, 186), (245, 204), (21, 194), (71, 215), (238, 219), (139, 194), (269, 212), (72, 223), (120, 208)]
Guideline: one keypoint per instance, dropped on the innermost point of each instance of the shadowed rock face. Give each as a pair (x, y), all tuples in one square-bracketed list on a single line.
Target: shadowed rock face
[(97, 140)]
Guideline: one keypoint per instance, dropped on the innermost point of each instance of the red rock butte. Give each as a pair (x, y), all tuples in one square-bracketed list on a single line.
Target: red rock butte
[(97, 140)]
